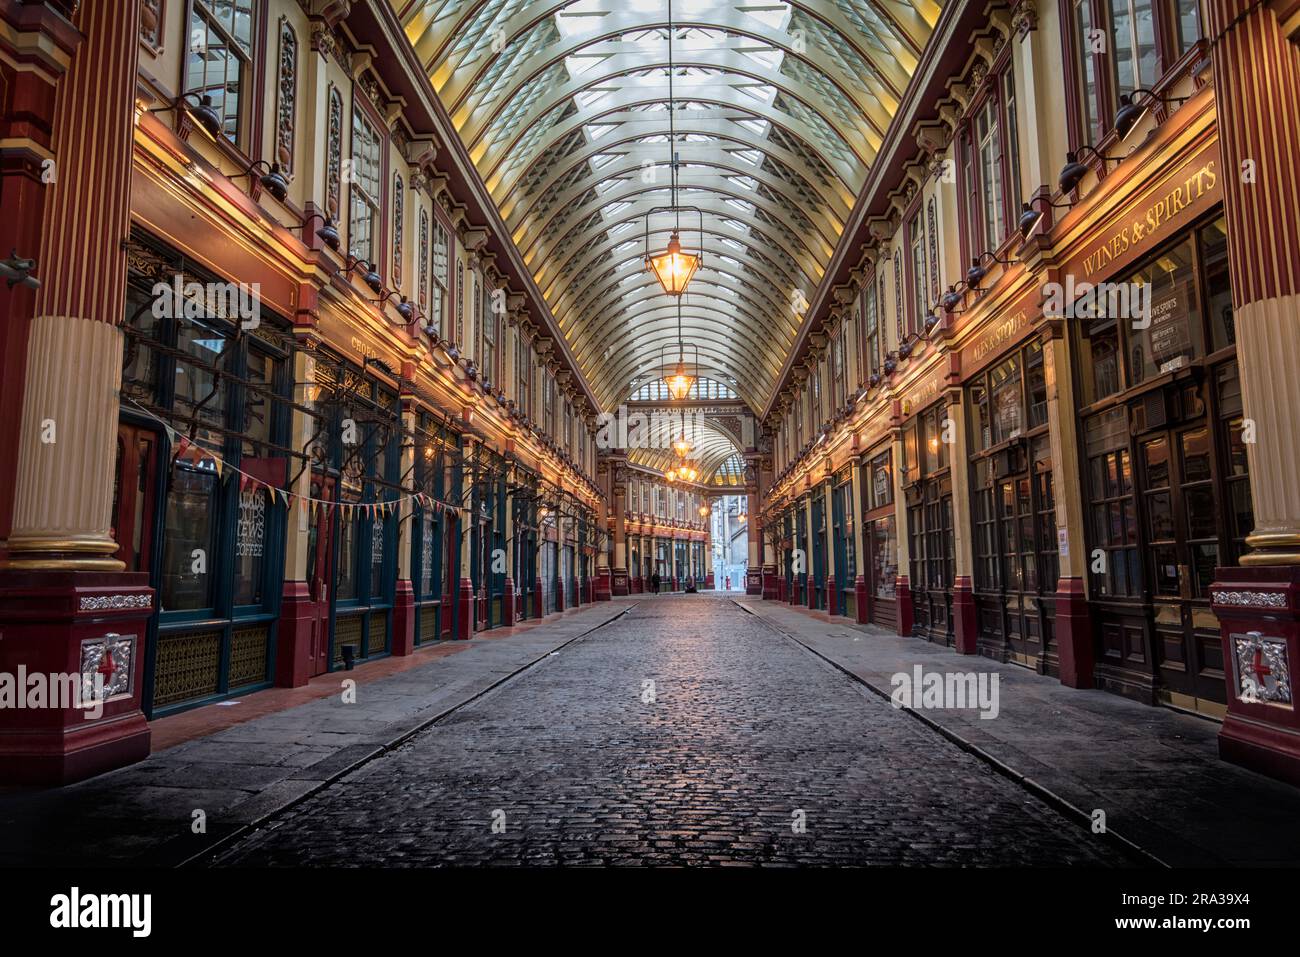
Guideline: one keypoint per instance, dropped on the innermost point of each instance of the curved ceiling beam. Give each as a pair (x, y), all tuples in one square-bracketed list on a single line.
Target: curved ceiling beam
[(733, 271), (629, 160), (432, 36), (632, 371), (660, 325), (490, 142), (645, 286), (700, 168), (752, 255), (642, 199), (646, 350), (838, 192), (636, 100), (874, 97), (610, 345)]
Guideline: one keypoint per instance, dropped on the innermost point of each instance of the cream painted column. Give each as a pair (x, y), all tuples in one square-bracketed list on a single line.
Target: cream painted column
[(965, 619), (406, 507), (1067, 466), (903, 595), (64, 497), (300, 428)]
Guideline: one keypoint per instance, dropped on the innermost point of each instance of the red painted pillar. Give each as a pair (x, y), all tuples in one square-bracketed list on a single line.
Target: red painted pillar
[(298, 631), (1256, 59), (1074, 642), (465, 610), (903, 597), (508, 604), (68, 610), (404, 619), (860, 600)]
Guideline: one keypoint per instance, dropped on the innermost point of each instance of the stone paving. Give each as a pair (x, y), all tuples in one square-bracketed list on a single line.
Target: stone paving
[(745, 750), (143, 814), (1155, 772)]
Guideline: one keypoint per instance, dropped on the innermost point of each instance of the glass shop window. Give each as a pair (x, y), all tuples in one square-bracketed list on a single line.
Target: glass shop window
[(1218, 284), (1004, 400), (199, 393), (189, 547), (219, 58), (1100, 360), (880, 483), (884, 557), (1173, 337), (250, 546)]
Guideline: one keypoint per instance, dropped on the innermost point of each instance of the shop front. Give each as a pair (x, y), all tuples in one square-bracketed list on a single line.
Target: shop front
[(486, 477), (928, 491), (202, 453), (1013, 505), (434, 550), (352, 544), (842, 598), (1166, 482), (817, 532), (523, 505), (800, 579), (880, 537)]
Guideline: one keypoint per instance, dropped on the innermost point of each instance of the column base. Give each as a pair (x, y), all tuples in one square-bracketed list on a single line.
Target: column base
[(508, 604), (1074, 642), (63, 626), (1259, 620), (903, 600), (404, 619), (754, 581), (618, 582), (965, 620), (464, 610), (863, 613), (539, 604), (604, 585), (298, 634), (810, 599)]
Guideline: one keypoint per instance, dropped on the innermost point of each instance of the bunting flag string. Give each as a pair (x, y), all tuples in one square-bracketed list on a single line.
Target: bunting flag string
[(250, 484)]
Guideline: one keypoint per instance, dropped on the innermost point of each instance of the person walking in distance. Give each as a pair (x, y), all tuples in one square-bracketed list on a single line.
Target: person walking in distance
[(654, 581)]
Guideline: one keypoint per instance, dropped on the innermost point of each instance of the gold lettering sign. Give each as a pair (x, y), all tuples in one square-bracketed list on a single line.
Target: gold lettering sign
[(999, 335), (1174, 201)]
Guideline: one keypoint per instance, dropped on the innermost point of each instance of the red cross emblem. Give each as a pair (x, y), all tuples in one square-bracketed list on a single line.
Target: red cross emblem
[(1258, 666), (106, 666)]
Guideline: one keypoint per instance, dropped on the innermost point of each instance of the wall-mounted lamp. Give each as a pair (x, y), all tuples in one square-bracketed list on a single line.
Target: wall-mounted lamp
[(951, 299), (371, 277), (1131, 111), (207, 117), (405, 308), (1029, 216), (975, 275), (272, 180), (1073, 171), (328, 233)]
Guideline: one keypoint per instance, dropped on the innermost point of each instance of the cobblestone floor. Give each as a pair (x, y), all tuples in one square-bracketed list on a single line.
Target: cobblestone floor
[(746, 735)]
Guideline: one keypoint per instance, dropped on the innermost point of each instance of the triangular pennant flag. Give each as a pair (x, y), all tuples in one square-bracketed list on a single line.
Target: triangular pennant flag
[(218, 464)]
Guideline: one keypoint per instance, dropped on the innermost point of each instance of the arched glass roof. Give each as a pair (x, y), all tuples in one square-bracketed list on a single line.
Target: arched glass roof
[(780, 110)]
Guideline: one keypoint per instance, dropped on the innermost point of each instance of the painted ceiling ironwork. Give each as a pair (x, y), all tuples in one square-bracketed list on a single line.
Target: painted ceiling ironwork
[(780, 110)]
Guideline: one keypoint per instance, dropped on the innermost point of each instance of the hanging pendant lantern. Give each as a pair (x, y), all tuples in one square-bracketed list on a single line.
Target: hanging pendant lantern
[(674, 268)]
